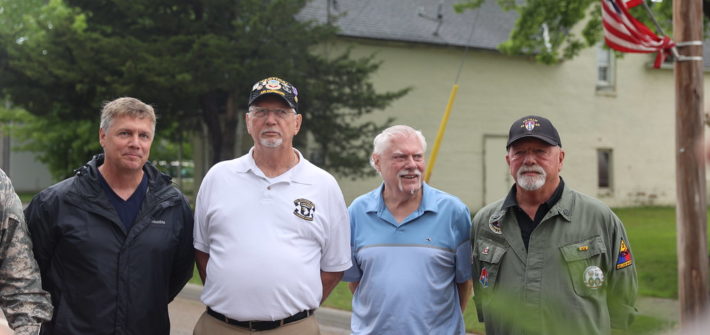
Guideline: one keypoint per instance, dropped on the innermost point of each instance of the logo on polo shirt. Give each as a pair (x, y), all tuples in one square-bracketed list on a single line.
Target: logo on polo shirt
[(304, 209)]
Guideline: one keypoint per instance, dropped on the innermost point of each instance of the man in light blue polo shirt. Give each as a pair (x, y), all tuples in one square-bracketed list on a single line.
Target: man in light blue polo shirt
[(411, 270)]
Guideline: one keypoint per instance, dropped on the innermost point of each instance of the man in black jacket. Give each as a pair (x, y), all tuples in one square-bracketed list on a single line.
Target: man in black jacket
[(113, 242)]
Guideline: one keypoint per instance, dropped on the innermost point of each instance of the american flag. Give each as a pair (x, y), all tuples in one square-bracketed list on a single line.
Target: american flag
[(624, 33)]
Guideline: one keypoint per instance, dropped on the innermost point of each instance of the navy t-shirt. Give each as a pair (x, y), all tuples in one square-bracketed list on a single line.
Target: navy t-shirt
[(127, 209)]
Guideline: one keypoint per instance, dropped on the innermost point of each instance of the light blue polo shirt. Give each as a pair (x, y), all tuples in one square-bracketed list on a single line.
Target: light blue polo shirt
[(408, 271)]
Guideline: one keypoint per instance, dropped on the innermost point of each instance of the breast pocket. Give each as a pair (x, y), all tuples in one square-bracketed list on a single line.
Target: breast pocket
[(489, 255), (585, 263)]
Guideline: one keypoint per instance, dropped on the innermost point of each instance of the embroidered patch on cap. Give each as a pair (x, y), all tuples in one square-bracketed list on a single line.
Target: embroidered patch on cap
[(304, 209), (274, 85), (530, 124), (624, 256)]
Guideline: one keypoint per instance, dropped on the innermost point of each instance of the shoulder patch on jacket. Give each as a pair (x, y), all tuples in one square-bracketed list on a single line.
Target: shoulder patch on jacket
[(624, 256)]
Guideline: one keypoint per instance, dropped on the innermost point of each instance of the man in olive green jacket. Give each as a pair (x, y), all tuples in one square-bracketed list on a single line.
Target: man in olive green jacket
[(547, 259)]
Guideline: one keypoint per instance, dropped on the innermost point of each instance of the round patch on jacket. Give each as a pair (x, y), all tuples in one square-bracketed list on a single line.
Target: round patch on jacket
[(593, 277), (495, 227)]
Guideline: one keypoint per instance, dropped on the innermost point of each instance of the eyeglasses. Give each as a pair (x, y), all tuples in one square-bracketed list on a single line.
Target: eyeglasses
[(264, 112)]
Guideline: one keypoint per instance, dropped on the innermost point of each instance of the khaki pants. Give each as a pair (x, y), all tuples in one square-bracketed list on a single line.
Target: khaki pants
[(208, 325)]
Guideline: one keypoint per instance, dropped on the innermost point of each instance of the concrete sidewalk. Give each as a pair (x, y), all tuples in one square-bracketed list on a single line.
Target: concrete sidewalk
[(660, 308), (187, 308)]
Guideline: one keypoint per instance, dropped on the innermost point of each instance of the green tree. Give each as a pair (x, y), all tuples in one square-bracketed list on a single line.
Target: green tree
[(76, 140), (561, 17), (195, 61)]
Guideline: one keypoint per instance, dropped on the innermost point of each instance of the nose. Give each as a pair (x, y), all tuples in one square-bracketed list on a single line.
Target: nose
[(271, 117), (410, 163), (529, 158), (133, 143)]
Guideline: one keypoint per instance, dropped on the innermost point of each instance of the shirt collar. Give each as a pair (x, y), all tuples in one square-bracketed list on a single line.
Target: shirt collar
[(556, 203), (249, 165), (510, 200), (428, 203)]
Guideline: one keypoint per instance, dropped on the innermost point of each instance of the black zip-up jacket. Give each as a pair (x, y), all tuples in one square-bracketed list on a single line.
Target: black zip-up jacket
[(102, 278)]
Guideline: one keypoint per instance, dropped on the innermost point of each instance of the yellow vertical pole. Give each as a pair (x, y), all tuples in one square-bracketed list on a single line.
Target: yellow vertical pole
[(440, 133)]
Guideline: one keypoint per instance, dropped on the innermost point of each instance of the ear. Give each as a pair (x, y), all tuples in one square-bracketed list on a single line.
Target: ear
[(376, 162), (102, 137), (562, 158), (247, 122), (299, 119)]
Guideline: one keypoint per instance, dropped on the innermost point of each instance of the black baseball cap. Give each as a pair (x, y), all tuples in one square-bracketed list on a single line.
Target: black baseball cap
[(275, 86), (533, 126)]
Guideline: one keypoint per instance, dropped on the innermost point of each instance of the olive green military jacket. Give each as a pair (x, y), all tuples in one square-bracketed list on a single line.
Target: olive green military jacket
[(578, 276), (22, 299)]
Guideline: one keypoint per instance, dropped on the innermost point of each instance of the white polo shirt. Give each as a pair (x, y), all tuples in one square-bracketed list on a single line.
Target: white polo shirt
[(268, 238)]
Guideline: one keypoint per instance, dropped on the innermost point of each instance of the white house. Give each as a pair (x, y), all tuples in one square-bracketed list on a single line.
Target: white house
[(615, 116)]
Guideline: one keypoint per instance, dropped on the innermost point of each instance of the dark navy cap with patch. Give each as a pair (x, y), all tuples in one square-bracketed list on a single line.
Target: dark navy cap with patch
[(536, 127), (275, 86)]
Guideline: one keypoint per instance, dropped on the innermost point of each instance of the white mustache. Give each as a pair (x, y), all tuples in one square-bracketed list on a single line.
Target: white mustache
[(406, 172), (268, 130), (534, 168)]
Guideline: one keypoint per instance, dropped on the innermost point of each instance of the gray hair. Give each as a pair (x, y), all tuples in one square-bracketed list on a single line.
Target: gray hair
[(125, 106), (383, 140)]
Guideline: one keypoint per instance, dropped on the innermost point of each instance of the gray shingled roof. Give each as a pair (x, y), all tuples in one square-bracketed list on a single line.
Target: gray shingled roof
[(400, 20), (414, 21)]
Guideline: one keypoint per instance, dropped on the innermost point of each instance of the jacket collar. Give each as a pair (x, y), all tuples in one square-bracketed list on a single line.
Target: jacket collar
[(87, 182), (562, 206), (511, 232), (88, 195)]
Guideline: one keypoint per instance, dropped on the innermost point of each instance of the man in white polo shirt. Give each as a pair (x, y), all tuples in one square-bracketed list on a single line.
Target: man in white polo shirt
[(271, 229)]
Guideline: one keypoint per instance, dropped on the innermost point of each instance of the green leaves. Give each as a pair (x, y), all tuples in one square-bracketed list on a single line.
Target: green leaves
[(49, 135), (571, 26), (194, 61)]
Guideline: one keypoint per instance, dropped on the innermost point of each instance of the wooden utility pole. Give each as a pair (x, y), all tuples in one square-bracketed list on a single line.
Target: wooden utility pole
[(691, 215)]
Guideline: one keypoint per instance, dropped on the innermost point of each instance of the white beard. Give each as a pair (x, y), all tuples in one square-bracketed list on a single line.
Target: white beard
[(271, 142), (404, 172), (531, 183)]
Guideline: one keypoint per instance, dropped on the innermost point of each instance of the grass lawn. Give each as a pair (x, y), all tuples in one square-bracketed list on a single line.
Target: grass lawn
[(652, 235), (195, 277), (26, 197), (341, 297)]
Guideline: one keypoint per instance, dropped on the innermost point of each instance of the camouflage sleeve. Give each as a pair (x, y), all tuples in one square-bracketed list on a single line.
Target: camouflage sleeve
[(22, 299)]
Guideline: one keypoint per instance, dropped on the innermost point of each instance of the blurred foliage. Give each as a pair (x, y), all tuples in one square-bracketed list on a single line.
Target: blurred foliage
[(75, 140), (572, 25), (64, 145), (195, 62)]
